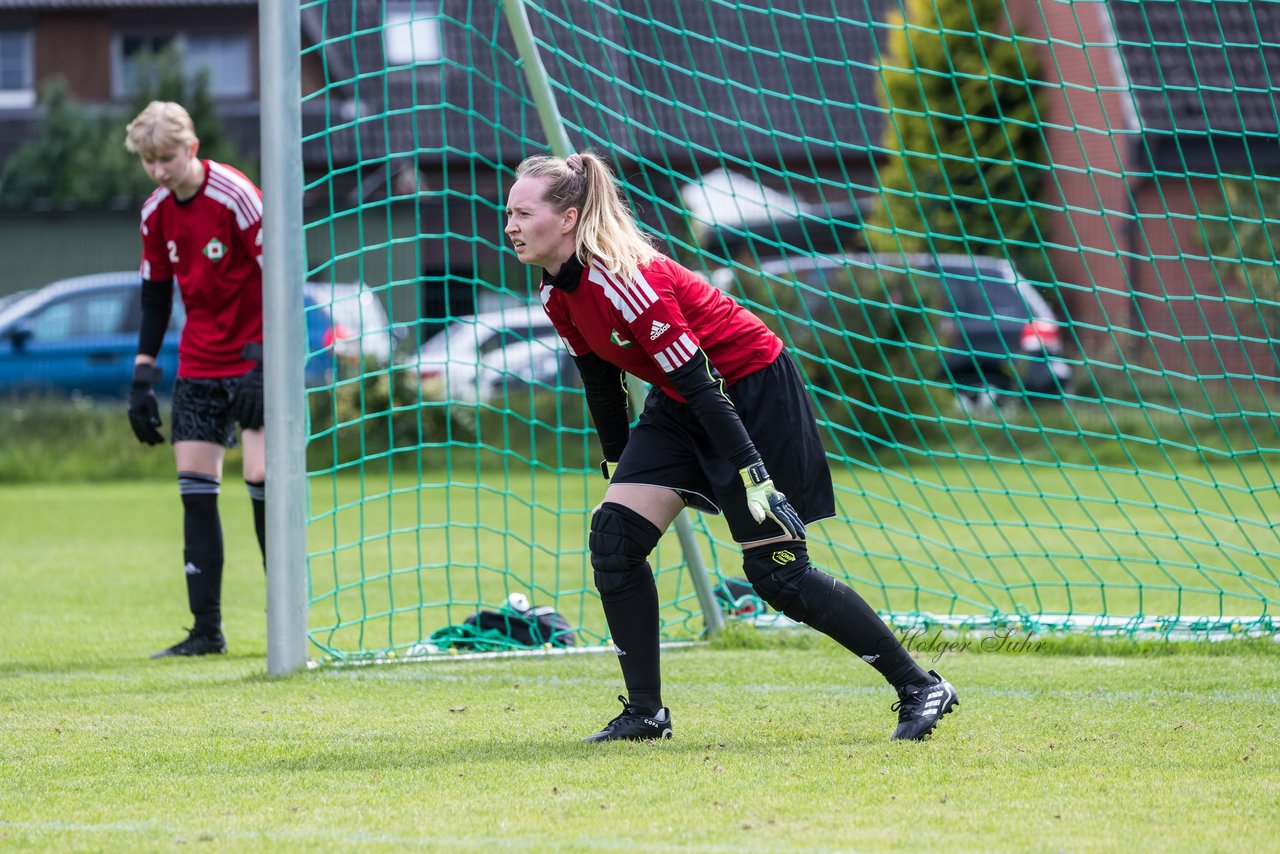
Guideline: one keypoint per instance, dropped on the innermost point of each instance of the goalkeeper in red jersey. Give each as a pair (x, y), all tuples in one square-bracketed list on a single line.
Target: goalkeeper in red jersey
[(203, 228), (727, 427)]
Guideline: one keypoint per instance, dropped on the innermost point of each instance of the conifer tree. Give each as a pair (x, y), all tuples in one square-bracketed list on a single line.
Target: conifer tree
[(966, 157)]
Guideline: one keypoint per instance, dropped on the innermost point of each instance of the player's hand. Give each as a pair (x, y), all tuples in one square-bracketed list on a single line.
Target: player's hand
[(607, 468), (144, 410), (766, 502), (247, 402)]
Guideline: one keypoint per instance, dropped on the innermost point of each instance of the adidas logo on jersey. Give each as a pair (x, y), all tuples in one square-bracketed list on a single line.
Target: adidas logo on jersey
[(658, 328)]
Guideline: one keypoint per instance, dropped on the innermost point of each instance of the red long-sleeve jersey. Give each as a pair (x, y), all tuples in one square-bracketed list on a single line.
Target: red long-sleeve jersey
[(212, 244), (654, 323)]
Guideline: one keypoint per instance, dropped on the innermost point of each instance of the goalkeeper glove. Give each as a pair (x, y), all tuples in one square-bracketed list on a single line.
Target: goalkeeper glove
[(247, 403), (144, 411), (765, 501), (607, 468)]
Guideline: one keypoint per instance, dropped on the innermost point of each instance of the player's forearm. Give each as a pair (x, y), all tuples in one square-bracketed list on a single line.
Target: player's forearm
[(607, 402), (157, 308), (703, 388)]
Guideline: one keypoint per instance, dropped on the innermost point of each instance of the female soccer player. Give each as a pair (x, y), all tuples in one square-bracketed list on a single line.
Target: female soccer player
[(728, 408), (201, 226)]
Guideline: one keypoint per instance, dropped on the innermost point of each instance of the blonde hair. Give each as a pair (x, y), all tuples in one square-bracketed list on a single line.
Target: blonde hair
[(162, 126), (607, 229)]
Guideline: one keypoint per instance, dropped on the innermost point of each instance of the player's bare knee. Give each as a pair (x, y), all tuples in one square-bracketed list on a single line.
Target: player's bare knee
[(620, 542)]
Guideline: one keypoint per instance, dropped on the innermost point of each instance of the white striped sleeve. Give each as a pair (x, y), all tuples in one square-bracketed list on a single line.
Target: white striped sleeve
[(677, 354), (236, 193), (629, 296), (149, 207)]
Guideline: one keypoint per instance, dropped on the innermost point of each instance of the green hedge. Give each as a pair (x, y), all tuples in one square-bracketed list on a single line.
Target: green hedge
[(55, 439)]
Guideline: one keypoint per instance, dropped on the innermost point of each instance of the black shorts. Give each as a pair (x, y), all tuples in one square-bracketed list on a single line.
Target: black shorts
[(669, 448), (202, 410)]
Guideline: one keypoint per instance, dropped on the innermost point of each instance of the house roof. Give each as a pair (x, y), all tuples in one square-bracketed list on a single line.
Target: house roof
[(1202, 71), (658, 80)]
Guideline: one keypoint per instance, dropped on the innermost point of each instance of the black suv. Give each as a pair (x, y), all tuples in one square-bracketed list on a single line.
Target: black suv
[(997, 335)]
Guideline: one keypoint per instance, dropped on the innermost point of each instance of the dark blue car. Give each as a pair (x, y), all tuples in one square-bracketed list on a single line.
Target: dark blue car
[(80, 336)]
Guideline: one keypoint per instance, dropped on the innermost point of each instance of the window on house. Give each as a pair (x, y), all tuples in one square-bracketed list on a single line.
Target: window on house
[(411, 34), (129, 60), (227, 57), (16, 87)]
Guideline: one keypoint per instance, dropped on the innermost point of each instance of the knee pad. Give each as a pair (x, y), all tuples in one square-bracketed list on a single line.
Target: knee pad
[(778, 574), (620, 542)]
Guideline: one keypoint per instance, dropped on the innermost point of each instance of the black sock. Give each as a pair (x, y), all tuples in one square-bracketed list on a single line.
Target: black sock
[(632, 615), (854, 624), (835, 609), (202, 549), (258, 495)]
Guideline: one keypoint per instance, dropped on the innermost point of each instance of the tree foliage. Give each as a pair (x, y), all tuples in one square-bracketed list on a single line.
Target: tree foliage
[(966, 155), (77, 158)]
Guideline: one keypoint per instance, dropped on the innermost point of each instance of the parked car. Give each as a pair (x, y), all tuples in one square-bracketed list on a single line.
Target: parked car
[(359, 327), (80, 335), (10, 299), (541, 363), (998, 334), (474, 358)]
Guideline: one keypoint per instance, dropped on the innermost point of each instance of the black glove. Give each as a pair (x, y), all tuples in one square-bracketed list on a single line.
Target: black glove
[(766, 502), (144, 410), (246, 403), (607, 468)]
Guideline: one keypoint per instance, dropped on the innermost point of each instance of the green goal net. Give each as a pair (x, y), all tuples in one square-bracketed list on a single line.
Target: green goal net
[(1021, 251)]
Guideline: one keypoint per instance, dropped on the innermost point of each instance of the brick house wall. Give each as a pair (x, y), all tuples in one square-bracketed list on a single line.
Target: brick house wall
[(1200, 317), (1125, 245), (1087, 127), (87, 68)]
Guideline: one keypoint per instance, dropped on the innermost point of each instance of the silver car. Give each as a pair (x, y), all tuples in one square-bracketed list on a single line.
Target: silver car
[(475, 358)]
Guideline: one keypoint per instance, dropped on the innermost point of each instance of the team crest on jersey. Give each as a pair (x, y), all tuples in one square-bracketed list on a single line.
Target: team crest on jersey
[(618, 340), (214, 250)]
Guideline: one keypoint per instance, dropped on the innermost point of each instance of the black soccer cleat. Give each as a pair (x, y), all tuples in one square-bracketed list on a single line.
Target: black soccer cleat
[(196, 643), (635, 725), (920, 707)]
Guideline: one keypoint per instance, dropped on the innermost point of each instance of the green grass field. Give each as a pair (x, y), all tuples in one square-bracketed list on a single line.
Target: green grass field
[(779, 748)]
